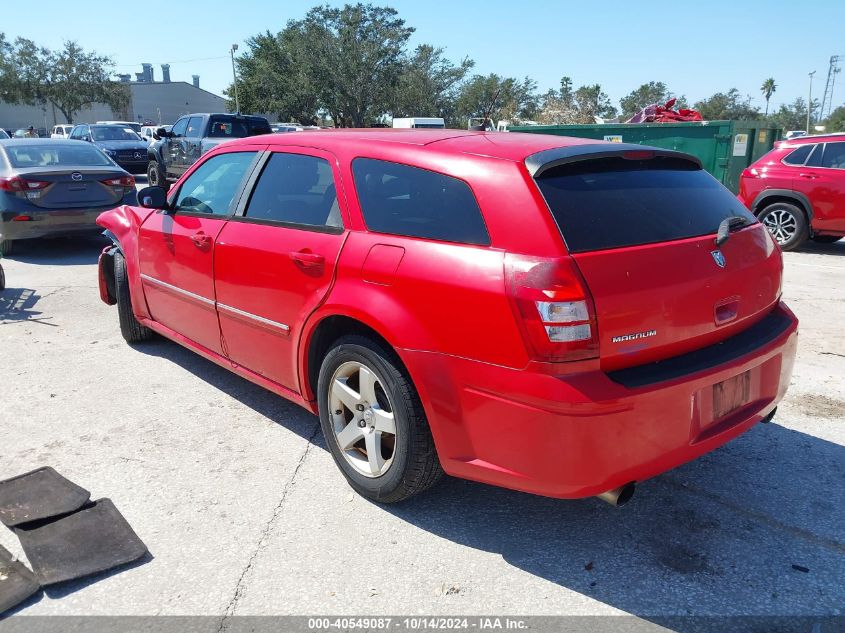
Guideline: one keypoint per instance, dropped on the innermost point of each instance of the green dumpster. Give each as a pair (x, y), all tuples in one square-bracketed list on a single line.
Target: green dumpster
[(724, 148)]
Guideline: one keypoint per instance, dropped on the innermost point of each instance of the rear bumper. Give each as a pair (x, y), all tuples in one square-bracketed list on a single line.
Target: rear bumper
[(579, 435), (46, 223)]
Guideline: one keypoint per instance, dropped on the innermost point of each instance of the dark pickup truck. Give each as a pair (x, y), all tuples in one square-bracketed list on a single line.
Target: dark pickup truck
[(192, 136)]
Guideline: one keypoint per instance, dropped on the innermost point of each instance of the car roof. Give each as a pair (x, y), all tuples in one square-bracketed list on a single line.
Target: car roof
[(512, 146), (816, 138)]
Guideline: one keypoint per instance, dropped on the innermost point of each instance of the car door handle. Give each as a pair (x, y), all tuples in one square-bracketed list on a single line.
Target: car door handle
[(307, 259), (201, 240), (808, 176)]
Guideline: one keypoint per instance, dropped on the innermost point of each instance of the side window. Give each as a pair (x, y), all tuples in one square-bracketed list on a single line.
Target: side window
[(403, 200), (295, 189), (179, 127), (194, 127), (815, 159), (212, 187), (834, 156), (799, 155)]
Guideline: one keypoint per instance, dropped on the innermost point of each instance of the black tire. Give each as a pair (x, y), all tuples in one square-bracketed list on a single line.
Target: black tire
[(415, 466), (156, 176), (132, 331), (2, 278), (7, 247), (787, 224), (826, 239)]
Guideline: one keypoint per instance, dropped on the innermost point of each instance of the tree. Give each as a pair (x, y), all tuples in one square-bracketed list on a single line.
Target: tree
[(504, 97), (728, 105), (355, 59), (583, 105), (429, 84), (70, 78), (274, 77), (768, 89), (792, 116), (836, 120), (647, 94)]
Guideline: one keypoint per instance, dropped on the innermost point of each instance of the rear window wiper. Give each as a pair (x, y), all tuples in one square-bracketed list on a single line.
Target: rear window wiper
[(730, 224)]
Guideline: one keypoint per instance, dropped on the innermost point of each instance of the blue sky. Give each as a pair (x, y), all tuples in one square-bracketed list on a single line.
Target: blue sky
[(696, 48)]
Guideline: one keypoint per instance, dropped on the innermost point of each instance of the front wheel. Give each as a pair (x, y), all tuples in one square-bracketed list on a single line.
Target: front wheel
[(787, 224), (156, 176), (374, 423), (130, 328)]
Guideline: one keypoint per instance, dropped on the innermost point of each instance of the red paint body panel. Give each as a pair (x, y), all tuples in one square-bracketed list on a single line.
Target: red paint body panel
[(497, 413), (676, 288), (178, 274)]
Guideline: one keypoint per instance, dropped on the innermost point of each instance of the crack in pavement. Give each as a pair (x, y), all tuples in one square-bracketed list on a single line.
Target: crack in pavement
[(262, 543)]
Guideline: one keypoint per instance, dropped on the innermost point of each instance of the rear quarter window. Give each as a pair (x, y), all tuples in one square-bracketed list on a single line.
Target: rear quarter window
[(799, 155), (616, 202), (410, 201)]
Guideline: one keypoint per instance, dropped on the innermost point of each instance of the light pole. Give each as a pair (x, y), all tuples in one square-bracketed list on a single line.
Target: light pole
[(810, 102), (235, 77)]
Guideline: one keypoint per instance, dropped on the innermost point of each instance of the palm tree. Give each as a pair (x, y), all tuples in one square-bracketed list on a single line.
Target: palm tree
[(768, 88)]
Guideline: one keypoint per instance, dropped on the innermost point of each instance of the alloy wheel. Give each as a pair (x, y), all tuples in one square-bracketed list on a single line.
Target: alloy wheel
[(781, 224), (362, 419)]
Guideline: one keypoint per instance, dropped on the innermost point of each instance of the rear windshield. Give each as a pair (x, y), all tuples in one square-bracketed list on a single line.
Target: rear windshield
[(235, 127), (48, 154), (616, 202)]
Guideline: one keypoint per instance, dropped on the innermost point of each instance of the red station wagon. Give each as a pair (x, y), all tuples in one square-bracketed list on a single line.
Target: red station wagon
[(798, 190), (559, 316)]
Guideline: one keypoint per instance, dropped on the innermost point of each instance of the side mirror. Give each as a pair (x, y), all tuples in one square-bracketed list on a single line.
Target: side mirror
[(161, 133), (153, 198)]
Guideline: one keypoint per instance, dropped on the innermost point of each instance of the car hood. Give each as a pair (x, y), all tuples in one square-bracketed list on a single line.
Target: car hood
[(124, 145)]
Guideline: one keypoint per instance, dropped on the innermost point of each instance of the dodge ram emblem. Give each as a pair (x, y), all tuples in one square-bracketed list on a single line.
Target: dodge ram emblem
[(718, 258)]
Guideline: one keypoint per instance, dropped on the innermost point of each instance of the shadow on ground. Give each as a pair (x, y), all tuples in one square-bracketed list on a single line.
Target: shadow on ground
[(59, 251), (17, 305), (754, 528), (836, 248)]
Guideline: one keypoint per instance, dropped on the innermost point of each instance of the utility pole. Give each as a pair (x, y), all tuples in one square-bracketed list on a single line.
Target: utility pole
[(810, 103), (235, 77)]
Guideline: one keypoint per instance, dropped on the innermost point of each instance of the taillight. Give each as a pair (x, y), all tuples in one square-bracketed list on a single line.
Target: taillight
[(125, 181), (553, 306), (16, 183), (750, 172)]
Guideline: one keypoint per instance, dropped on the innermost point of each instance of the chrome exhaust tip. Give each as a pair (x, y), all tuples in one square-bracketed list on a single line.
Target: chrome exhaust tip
[(618, 496)]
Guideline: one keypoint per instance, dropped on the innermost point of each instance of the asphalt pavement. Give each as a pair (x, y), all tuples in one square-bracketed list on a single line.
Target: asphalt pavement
[(244, 512)]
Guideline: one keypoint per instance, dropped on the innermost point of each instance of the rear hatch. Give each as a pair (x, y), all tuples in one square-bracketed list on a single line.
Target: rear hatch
[(641, 226)]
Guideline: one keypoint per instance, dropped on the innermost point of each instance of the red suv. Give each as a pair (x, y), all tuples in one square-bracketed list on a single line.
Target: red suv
[(798, 190), (560, 316)]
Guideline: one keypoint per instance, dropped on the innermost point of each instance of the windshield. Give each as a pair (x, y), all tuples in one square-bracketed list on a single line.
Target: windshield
[(113, 133), (48, 154), (615, 202)]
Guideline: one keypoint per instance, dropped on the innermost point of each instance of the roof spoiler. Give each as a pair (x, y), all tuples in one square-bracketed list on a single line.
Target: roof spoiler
[(541, 162)]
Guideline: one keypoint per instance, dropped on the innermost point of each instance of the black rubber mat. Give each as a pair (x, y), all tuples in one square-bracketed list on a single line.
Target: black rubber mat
[(17, 583), (36, 495), (87, 542)]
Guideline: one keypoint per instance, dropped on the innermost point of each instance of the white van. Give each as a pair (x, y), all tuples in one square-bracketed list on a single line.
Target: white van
[(61, 131), (420, 122)]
